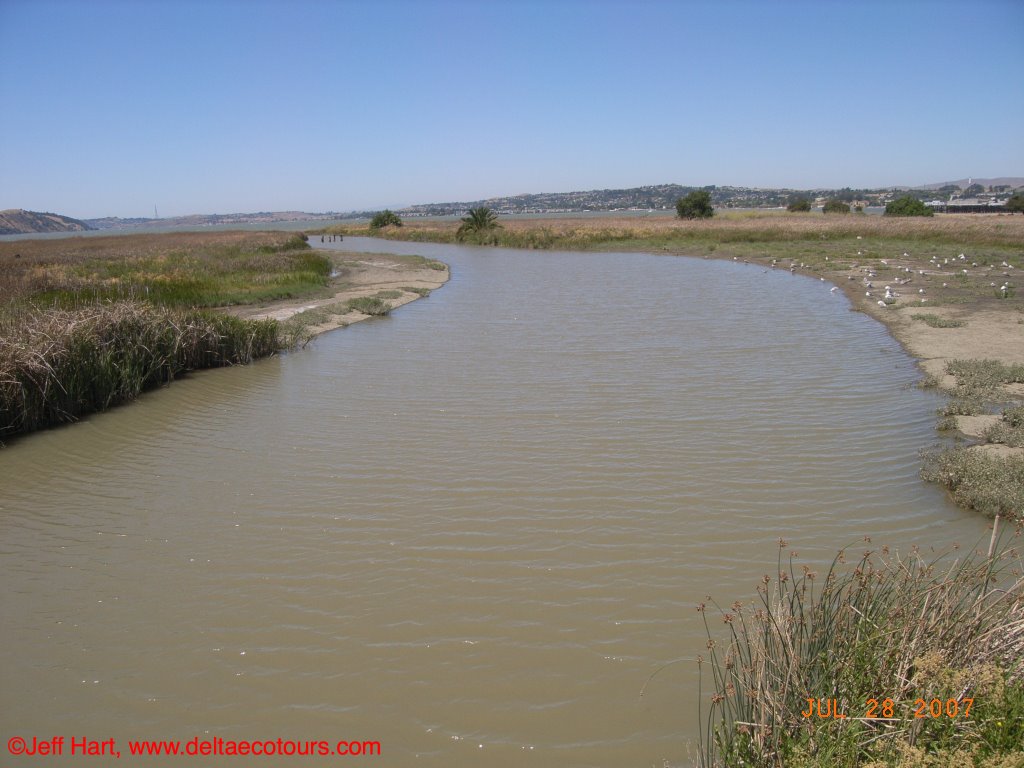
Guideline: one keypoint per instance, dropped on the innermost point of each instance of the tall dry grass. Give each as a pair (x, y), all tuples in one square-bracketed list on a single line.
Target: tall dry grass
[(56, 365), (89, 322)]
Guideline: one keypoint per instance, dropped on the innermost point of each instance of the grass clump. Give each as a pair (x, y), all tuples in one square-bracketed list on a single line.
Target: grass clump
[(369, 305), (978, 384), (56, 365), (1009, 430), (388, 294), (419, 291), (980, 479), (934, 321), (899, 631)]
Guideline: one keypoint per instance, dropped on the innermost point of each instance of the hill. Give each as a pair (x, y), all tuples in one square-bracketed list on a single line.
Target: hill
[(16, 221)]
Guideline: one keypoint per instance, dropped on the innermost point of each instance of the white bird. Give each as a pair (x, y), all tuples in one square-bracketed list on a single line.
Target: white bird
[(833, 289), (881, 303)]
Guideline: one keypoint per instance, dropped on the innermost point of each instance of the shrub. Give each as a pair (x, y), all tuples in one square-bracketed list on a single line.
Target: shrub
[(908, 205), (696, 205), (835, 206), (385, 218), (798, 205)]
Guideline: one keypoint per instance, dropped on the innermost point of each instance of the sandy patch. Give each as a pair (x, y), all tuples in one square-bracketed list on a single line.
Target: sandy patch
[(357, 275), (976, 426)]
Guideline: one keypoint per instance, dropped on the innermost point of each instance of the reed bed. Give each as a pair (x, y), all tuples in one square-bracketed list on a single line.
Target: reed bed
[(56, 365), (89, 322), (887, 641)]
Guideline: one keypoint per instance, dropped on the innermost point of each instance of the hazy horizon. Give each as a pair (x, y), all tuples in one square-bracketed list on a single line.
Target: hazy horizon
[(116, 108)]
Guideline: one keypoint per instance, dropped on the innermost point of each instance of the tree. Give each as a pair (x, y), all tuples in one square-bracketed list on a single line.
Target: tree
[(696, 205), (908, 205), (385, 218), (1015, 203), (798, 204), (835, 206), (477, 222)]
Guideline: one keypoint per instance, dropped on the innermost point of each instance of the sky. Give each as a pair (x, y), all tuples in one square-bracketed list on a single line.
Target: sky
[(118, 107)]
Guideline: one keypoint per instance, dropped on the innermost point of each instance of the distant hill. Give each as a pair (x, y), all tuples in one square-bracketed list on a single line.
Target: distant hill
[(1003, 181), (16, 221), (211, 219)]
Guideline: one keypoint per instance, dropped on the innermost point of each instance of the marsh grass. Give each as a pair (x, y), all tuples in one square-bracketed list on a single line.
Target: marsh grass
[(1009, 430), (56, 365), (977, 479), (420, 291), (369, 305), (934, 321), (86, 323), (181, 275), (947, 627), (979, 385)]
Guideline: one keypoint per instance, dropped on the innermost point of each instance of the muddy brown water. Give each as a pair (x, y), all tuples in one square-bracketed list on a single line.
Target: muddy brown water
[(471, 531)]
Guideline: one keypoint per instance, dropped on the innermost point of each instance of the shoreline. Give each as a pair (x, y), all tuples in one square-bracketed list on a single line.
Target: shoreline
[(357, 276)]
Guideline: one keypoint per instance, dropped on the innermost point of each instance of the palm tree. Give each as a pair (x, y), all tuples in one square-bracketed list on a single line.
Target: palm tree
[(478, 221)]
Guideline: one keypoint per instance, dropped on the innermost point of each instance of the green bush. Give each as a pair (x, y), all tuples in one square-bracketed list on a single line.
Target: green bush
[(696, 205), (385, 218), (798, 205), (835, 206), (908, 205)]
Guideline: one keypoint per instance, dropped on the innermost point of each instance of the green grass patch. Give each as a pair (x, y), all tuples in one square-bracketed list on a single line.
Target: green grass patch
[(934, 321), (417, 290), (369, 305), (218, 276)]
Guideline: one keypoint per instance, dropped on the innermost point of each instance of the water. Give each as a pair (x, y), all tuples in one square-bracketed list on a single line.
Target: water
[(471, 531)]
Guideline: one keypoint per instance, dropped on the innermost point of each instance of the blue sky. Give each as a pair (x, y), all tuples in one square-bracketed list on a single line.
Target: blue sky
[(112, 108)]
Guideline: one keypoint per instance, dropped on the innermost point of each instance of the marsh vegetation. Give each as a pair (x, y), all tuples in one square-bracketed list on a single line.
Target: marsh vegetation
[(886, 660), (87, 323)]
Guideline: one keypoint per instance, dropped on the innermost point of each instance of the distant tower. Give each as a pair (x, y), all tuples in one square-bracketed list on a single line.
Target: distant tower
[(155, 214)]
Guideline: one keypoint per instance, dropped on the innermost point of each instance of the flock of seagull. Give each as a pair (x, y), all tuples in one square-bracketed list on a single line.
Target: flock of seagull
[(891, 295)]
